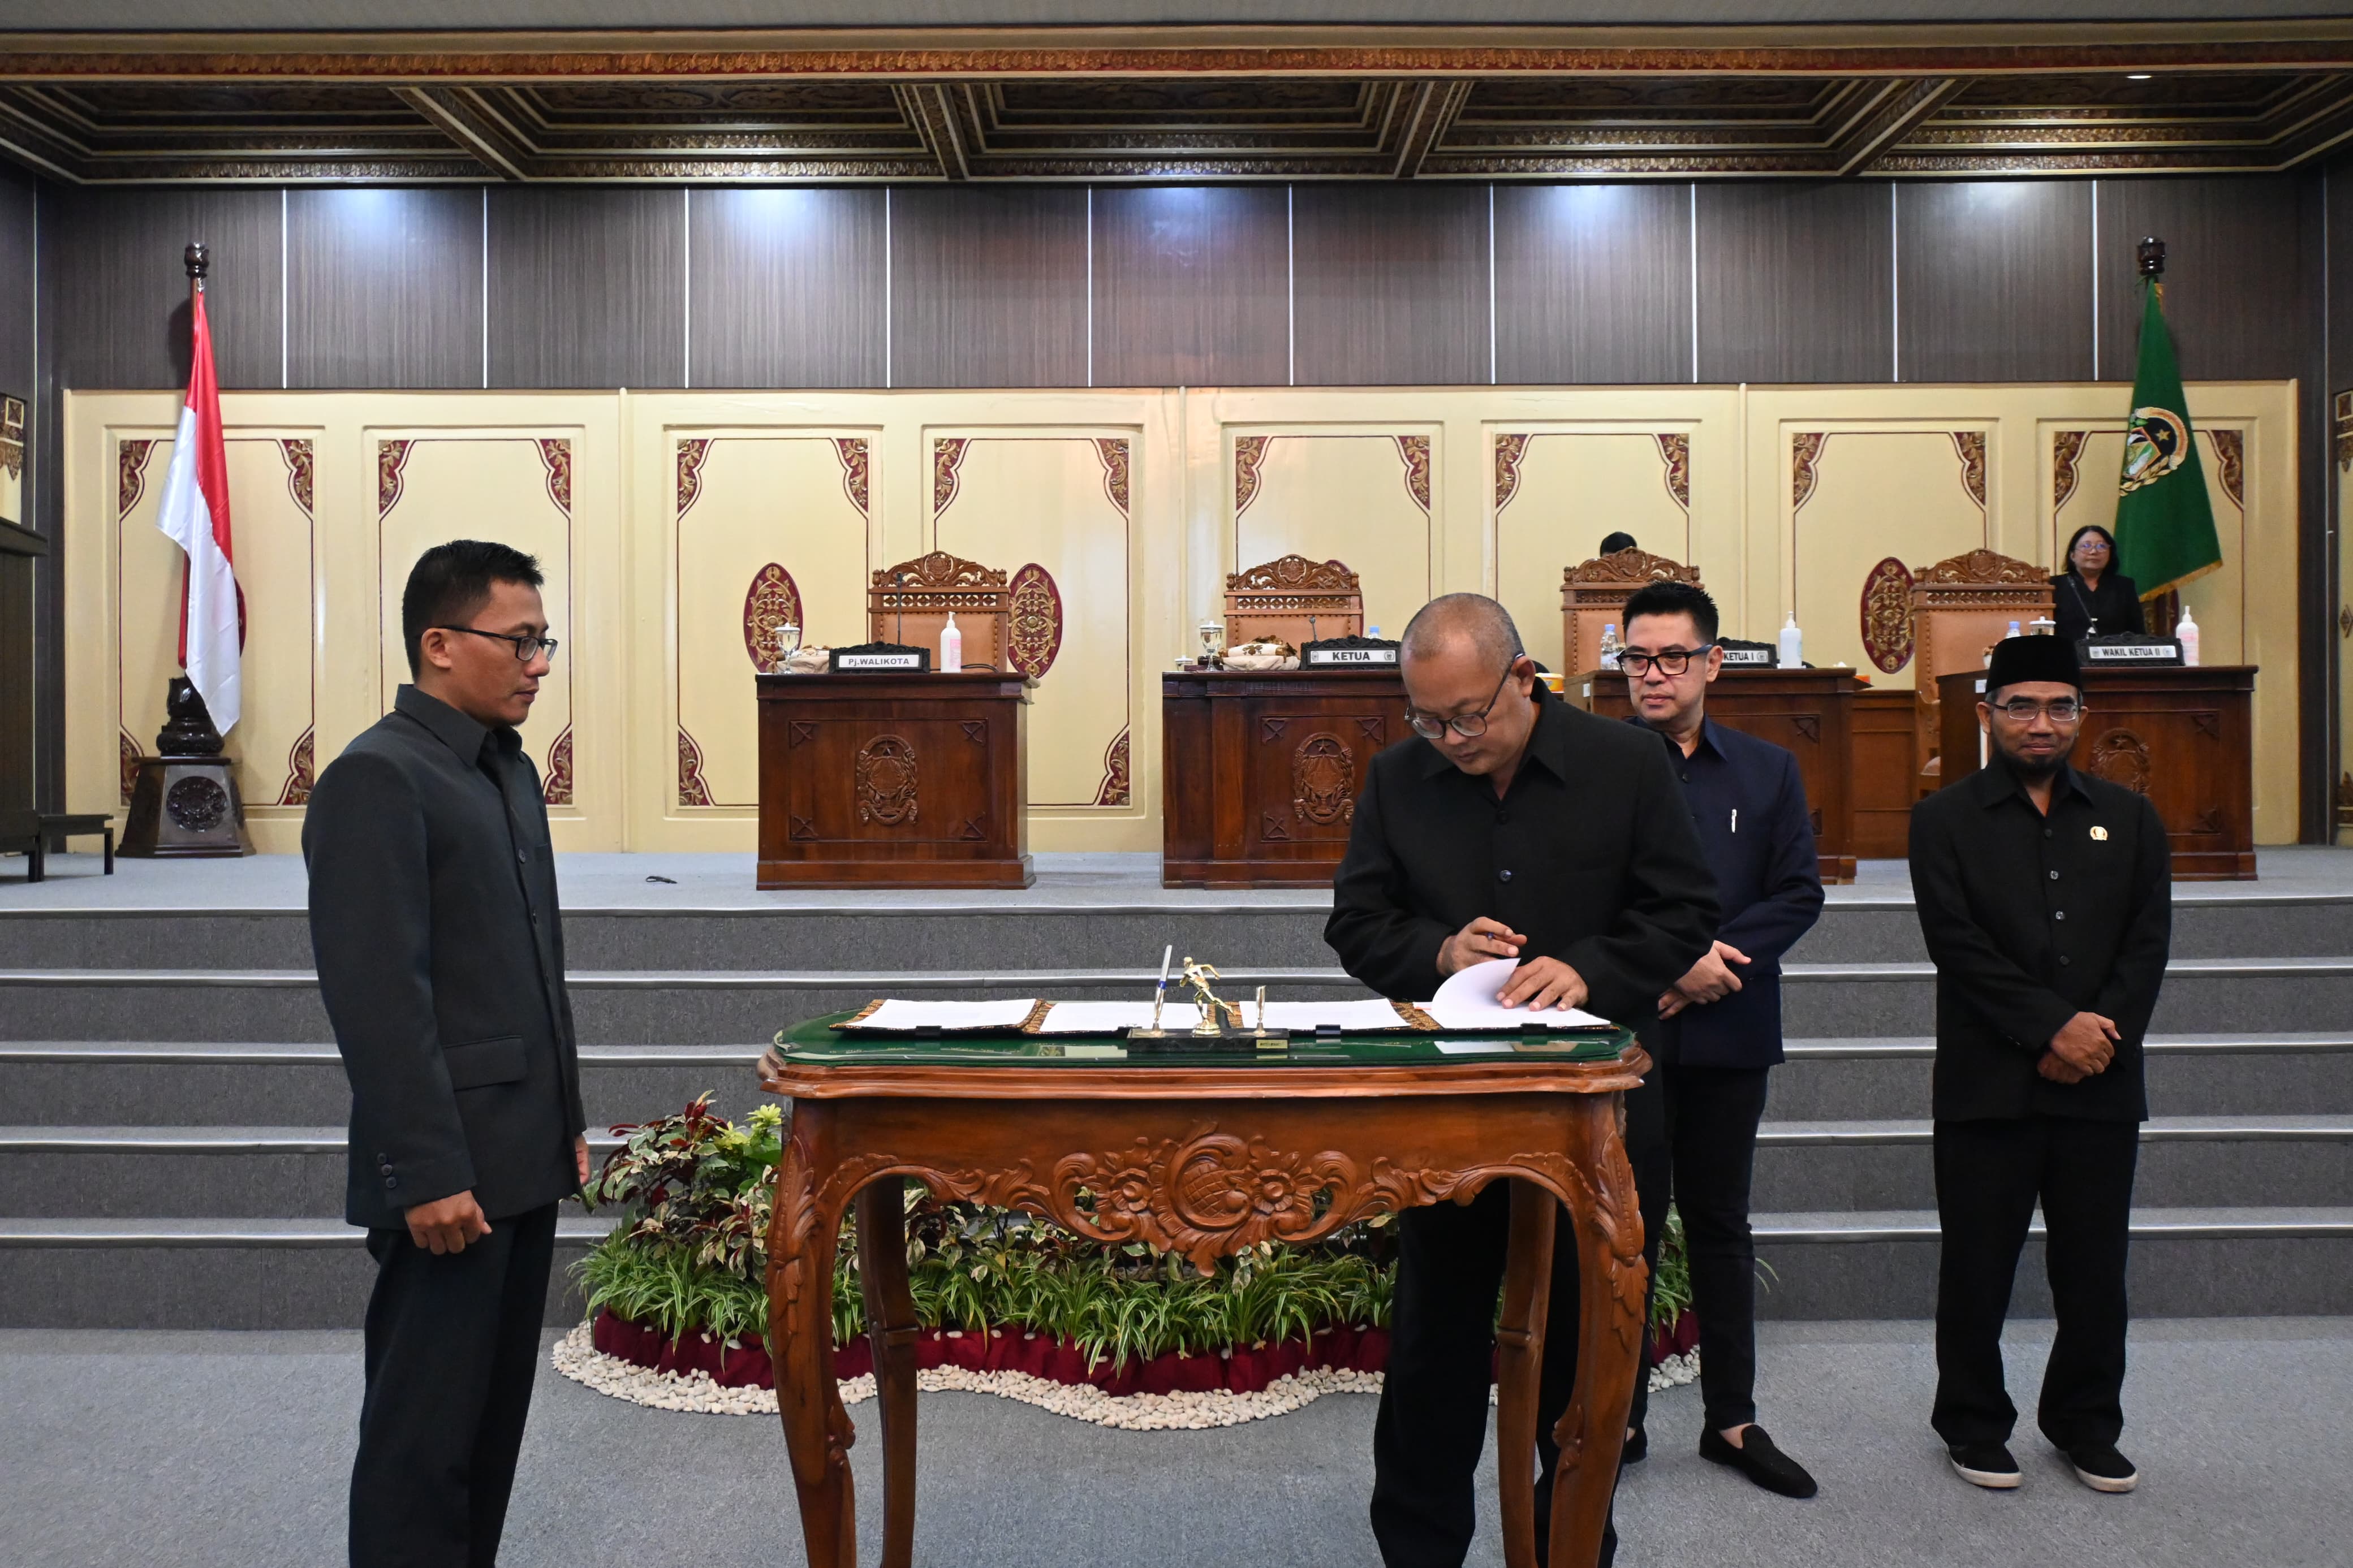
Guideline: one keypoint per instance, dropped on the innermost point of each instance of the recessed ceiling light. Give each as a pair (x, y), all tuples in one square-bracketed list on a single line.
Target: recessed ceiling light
[(2136, 76)]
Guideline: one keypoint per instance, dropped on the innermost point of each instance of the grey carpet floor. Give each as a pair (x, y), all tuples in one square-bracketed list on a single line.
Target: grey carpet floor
[(195, 1449)]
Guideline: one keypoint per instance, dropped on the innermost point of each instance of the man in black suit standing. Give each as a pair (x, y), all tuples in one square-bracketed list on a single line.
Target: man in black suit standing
[(2045, 896), (1692, 1127), (441, 959), (1516, 826)]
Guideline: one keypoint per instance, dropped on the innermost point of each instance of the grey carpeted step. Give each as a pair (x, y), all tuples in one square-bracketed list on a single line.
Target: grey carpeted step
[(609, 1007), (148, 1083), (215, 1273), (2186, 1262), (1885, 928), (717, 1006), (2201, 996), (1828, 1166), (2251, 1073), (130, 1173)]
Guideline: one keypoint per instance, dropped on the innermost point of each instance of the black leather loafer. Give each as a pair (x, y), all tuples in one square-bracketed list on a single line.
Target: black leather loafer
[(1759, 1460)]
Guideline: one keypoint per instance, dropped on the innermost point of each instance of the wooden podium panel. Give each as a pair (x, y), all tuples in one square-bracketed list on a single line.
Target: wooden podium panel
[(2182, 737), (903, 780), (1259, 771), (1808, 711)]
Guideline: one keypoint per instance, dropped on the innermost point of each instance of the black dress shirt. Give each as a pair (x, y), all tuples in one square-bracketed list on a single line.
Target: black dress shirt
[(2031, 919), (440, 956), (1748, 805), (2115, 604), (1590, 854)]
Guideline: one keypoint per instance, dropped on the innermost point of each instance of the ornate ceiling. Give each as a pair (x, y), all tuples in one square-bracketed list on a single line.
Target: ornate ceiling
[(1171, 105)]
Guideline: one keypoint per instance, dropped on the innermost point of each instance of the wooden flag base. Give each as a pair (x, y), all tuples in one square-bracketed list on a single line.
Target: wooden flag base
[(186, 808)]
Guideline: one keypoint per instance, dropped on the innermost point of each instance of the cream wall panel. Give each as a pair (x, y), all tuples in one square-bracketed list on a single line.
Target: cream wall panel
[(749, 503), (1859, 496), (1059, 502), (1363, 499), (1558, 493)]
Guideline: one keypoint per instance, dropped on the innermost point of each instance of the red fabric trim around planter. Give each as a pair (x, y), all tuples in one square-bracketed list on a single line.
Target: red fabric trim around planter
[(1242, 1370)]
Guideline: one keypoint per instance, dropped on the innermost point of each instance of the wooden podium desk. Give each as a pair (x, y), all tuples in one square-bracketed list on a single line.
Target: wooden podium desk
[(889, 780), (1259, 771), (2182, 737), (1204, 1156), (1808, 711)]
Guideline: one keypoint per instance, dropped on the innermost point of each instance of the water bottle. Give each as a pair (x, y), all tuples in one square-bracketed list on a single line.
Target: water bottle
[(1793, 645), (2012, 632), (2188, 632), (1610, 646)]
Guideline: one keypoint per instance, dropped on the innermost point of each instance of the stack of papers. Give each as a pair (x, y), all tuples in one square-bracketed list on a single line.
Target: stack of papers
[(995, 1017), (1466, 1003), (1114, 1017)]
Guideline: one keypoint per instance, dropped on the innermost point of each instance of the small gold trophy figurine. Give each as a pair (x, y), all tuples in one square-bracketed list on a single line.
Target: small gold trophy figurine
[(1213, 1011)]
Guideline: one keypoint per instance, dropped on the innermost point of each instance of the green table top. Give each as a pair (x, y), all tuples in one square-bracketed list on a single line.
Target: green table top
[(817, 1043)]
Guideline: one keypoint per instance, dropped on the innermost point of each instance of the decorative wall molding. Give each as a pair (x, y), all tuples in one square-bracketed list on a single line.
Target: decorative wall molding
[(559, 770), (1510, 450), (1249, 451), (1805, 456), (1415, 450), (301, 469), (555, 454), (772, 601), (130, 467), (2066, 450), (390, 458), (1035, 604), (2230, 466), (691, 452), (1674, 451), (852, 451), (1969, 446), (1112, 450), (1887, 615), (947, 455), (692, 789), (302, 774), (1116, 789)]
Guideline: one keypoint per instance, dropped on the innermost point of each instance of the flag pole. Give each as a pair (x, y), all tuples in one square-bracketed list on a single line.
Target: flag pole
[(198, 258), (2164, 612)]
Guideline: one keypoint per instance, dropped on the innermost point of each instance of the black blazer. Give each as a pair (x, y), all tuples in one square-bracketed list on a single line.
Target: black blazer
[(1749, 808), (1590, 857), (440, 956), (2031, 919), (2115, 604)]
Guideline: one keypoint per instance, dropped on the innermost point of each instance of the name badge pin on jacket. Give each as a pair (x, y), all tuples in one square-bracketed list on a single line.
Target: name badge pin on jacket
[(2100, 833)]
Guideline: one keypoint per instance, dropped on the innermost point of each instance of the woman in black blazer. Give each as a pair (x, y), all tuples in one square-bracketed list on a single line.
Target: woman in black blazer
[(2089, 598)]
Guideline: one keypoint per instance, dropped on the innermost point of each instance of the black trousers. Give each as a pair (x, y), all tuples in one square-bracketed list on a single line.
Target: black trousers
[(1691, 1134), (452, 1349), (1433, 1416), (1988, 1176)]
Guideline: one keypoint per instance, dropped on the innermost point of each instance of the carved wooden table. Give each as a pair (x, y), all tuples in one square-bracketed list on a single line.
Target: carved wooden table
[(1203, 1156), (904, 781), (2182, 737), (1809, 713), (1259, 771)]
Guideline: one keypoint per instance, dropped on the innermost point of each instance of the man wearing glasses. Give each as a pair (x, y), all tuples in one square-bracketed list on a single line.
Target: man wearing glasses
[(440, 960), (2045, 897), (1692, 1127), (1515, 826)]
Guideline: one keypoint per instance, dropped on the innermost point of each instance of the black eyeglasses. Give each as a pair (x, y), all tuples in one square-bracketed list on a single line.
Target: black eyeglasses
[(1470, 726), (2062, 710), (526, 648), (1674, 661)]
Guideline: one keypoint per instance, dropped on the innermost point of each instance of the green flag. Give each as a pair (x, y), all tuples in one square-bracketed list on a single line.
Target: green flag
[(2164, 524)]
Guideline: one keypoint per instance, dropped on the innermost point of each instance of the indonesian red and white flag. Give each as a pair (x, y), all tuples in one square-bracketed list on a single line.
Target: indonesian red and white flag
[(195, 515)]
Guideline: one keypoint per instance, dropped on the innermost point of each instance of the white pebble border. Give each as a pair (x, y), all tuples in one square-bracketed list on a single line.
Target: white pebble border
[(576, 1358)]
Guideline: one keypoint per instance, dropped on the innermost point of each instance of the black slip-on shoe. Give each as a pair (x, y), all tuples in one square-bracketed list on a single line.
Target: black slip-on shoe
[(1986, 1465), (2099, 1467), (1759, 1460), (1637, 1448)]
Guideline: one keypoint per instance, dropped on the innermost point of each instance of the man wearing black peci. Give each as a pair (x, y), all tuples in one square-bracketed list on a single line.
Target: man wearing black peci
[(1515, 828), (1692, 1127), (2045, 897), (440, 958)]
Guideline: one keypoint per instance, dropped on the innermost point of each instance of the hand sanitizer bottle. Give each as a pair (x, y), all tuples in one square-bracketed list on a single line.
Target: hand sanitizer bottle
[(1610, 646), (2012, 632), (2187, 630), (1793, 645), (951, 645)]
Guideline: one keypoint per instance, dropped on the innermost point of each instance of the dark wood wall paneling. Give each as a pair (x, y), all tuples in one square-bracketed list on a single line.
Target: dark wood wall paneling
[(1994, 281), (988, 287), (384, 288), (1593, 283), (588, 287), (1795, 282), (786, 288), (1390, 285), (1192, 286), (115, 290), (18, 667)]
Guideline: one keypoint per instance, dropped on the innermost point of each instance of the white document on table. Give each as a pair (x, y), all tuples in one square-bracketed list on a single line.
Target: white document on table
[(1114, 1017), (1001, 1017), (1467, 1002), (1363, 1016)]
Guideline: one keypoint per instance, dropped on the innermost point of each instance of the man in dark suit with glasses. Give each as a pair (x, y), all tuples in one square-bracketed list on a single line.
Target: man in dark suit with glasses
[(1513, 826), (440, 958)]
